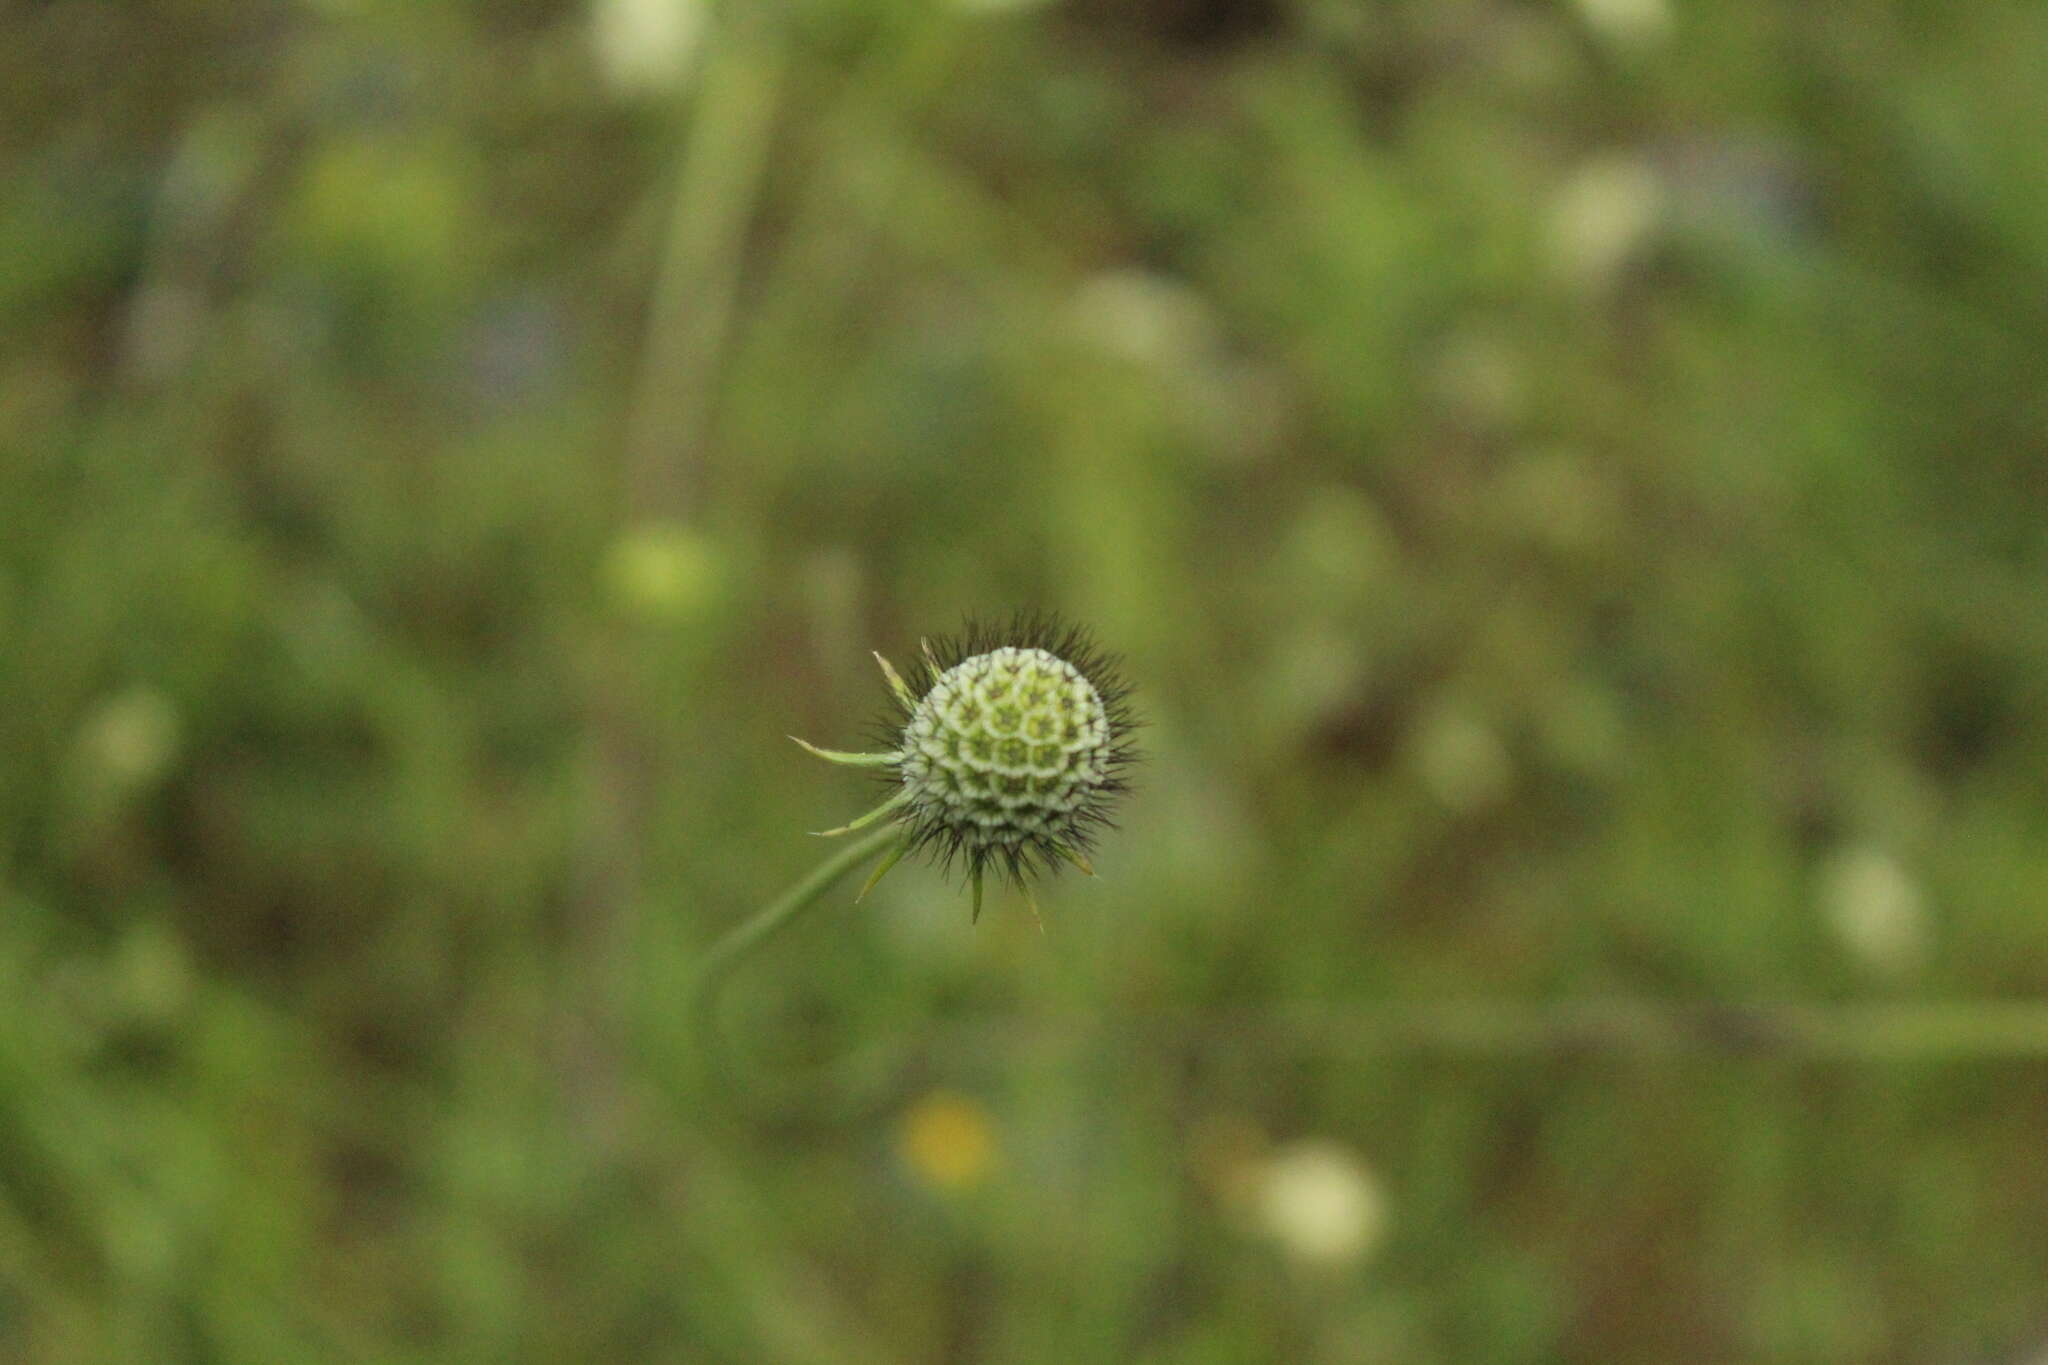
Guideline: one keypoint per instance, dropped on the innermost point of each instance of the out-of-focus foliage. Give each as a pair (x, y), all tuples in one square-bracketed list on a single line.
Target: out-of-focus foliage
[(1569, 481)]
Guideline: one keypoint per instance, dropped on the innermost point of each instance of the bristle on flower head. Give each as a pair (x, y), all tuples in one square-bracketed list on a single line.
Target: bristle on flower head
[(1007, 748)]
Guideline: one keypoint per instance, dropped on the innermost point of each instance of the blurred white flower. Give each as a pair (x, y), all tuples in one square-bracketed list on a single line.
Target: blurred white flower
[(1461, 760), (1602, 217), (130, 742), (1875, 909), (647, 47), (1145, 318), (1321, 1203), (1628, 24)]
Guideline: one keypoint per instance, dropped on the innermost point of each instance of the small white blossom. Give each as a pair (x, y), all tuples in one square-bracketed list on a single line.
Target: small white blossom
[(131, 741), (1628, 24), (1875, 910), (1321, 1204), (1602, 218), (1143, 317), (647, 46)]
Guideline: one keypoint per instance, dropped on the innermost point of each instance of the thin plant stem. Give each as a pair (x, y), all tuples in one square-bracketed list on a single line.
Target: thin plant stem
[(1931, 1031), (717, 188), (744, 938)]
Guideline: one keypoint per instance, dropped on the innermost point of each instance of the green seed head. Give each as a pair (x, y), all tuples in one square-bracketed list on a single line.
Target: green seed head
[(1005, 749), (1012, 751)]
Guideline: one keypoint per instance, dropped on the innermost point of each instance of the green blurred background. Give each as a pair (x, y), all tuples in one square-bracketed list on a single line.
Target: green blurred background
[(1568, 480)]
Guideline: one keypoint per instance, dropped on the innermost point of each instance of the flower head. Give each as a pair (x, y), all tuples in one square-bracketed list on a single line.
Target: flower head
[(1321, 1204), (1010, 751)]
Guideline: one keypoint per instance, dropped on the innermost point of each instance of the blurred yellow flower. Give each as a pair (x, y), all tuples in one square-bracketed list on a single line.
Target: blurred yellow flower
[(947, 1141)]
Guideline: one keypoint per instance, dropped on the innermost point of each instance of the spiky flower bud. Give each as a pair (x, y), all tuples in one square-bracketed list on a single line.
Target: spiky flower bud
[(1010, 753)]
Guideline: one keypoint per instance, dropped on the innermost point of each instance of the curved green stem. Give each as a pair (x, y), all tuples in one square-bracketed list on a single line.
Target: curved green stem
[(740, 941)]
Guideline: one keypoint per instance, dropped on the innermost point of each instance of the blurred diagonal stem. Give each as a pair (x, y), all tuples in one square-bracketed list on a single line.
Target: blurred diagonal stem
[(742, 940), (717, 184), (1907, 1031)]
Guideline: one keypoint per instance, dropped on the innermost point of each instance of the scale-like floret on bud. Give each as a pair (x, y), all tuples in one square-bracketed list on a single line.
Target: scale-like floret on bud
[(1011, 753)]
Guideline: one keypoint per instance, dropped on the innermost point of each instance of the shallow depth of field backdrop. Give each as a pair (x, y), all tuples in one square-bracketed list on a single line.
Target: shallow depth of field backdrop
[(1569, 482)]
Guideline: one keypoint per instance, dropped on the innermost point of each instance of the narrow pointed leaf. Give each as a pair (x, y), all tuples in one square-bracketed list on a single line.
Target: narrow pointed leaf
[(840, 756), (864, 821), (896, 683), (893, 857)]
